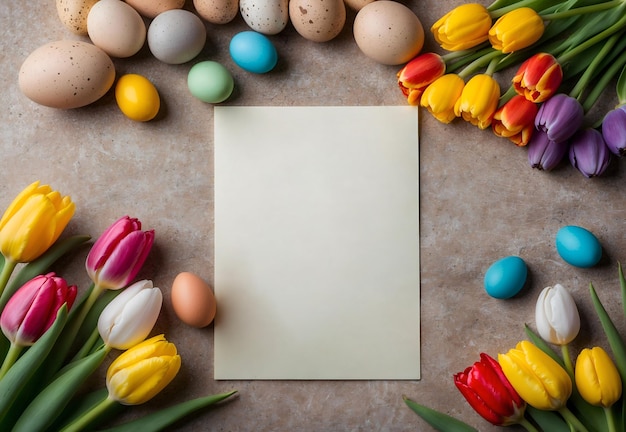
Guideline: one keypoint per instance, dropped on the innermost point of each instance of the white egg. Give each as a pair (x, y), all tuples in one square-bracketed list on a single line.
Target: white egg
[(116, 28), (176, 36)]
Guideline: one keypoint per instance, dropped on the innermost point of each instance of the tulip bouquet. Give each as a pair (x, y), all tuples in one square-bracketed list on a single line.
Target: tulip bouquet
[(567, 53), (540, 388), (54, 339)]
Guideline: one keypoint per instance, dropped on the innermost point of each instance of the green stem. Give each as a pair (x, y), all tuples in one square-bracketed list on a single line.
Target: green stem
[(84, 420), (572, 420), (5, 275), (582, 83), (507, 96), (479, 62), (582, 10), (87, 347), (496, 13), (595, 93), (528, 425), (610, 419), (592, 41), (11, 357), (567, 359)]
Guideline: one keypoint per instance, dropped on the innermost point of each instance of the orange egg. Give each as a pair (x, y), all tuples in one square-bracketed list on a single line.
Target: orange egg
[(193, 300)]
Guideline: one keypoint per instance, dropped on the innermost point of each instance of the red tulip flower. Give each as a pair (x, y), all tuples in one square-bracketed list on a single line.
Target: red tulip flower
[(418, 74), (118, 254), (490, 393), (538, 78), (515, 120)]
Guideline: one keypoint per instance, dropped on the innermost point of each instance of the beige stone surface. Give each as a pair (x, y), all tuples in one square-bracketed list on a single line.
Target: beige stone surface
[(480, 201)]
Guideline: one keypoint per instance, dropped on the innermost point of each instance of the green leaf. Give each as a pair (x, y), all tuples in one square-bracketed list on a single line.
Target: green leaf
[(41, 265), (440, 421), (621, 87), (51, 401), (622, 281), (84, 403), (543, 345), (160, 420), (13, 382), (547, 420)]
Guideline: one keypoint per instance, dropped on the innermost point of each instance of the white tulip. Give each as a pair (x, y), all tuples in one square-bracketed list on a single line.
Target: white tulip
[(556, 315), (129, 318)]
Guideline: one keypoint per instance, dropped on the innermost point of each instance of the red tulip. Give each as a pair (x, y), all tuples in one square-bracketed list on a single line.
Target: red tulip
[(118, 254), (515, 120), (418, 74), (489, 392), (538, 78), (33, 308)]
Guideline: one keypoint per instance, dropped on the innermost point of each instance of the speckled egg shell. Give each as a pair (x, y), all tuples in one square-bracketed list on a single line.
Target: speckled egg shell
[(66, 74), (217, 11), (151, 8), (73, 14), (317, 21), (357, 5), (269, 17)]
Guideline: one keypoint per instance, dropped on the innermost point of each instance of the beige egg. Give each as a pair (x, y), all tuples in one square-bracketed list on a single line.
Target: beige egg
[(116, 28), (193, 300), (73, 14), (388, 32), (269, 17), (316, 20), (66, 74), (357, 5), (151, 8), (217, 11)]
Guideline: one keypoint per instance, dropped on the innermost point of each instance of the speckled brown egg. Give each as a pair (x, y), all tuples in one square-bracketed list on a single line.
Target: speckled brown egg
[(73, 14), (217, 11), (66, 74), (388, 32), (193, 300), (151, 8), (317, 20)]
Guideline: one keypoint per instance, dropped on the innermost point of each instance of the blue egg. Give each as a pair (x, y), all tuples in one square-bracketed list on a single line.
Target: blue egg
[(506, 277), (578, 246), (253, 52)]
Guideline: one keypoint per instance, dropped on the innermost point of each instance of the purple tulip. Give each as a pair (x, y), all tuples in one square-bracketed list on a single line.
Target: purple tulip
[(543, 153), (559, 117), (614, 130), (588, 152), (33, 308), (118, 254)]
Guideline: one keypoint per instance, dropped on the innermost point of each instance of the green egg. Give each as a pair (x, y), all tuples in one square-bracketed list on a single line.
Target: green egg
[(210, 82)]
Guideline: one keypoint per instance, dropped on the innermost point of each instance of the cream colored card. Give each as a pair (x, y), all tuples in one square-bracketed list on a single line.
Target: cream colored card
[(317, 243)]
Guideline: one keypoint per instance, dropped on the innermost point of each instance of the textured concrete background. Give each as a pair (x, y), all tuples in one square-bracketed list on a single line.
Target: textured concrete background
[(480, 201)]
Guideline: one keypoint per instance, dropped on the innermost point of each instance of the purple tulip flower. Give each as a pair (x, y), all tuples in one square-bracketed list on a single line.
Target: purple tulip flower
[(559, 117), (588, 152), (543, 153), (614, 130), (118, 254)]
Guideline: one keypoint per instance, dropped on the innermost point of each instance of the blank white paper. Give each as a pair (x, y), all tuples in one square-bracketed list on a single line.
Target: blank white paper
[(316, 243)]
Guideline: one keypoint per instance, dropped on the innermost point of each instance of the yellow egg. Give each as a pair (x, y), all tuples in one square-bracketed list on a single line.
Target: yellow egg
[(137, 97), (193, 300)]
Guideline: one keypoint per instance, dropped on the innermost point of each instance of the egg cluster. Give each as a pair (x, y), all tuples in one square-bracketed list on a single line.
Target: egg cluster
[(69, 74)]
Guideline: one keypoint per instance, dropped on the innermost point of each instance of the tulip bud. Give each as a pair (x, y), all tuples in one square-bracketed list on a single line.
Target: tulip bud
[(543, 153), (556, 315), (140, 373), (516, 30), (560, 117), (588, 153), (129, 318), (463, 27), (538, 78), (515, 120), (479, 100), (597, 378), (441, 96), (418, 74), (614, 130), (118, 254), (33, 308)]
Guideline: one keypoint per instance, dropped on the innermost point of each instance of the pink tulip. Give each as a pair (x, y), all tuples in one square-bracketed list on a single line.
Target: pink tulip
[(33, 308), (118, 254)]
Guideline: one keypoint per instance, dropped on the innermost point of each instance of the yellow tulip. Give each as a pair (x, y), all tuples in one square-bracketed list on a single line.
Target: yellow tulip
[(538, 379), (597, 378), (463, 27), (140, 373), (441, 95), (516, 30), (33, 222), (478, 101)]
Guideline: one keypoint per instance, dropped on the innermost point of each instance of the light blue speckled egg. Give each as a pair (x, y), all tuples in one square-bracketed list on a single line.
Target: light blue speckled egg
[(506, 277), (578, 246)]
